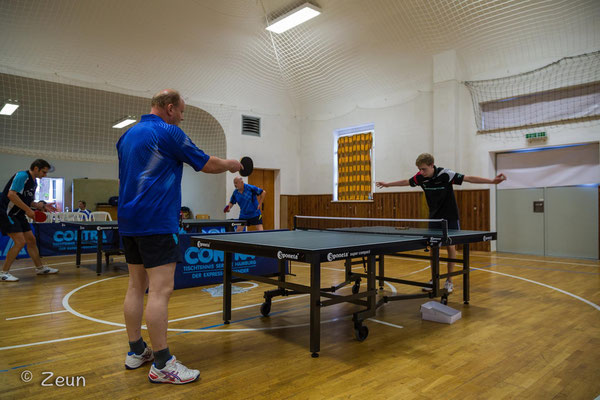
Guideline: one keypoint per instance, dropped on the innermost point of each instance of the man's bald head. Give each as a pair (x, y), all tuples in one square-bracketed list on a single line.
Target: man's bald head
[(165, 97), (238, 182), (168, 105)]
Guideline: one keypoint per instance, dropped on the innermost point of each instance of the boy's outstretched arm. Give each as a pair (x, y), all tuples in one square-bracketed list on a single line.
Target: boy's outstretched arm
[(403, 182), (476, 179)]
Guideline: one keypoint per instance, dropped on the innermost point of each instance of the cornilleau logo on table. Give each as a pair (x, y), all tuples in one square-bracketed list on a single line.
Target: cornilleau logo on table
[(202, 244), (486, 238), (281, 255)]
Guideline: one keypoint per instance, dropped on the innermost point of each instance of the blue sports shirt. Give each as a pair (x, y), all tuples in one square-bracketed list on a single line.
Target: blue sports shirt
[(22, 183), (151, 157), (247, 201)]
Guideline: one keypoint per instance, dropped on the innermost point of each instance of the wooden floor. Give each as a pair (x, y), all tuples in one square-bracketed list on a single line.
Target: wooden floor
[(531, 331)]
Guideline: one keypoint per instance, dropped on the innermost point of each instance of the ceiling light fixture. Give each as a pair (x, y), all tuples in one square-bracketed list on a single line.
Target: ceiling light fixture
[(123, 122), (295, 17), (9, 107)]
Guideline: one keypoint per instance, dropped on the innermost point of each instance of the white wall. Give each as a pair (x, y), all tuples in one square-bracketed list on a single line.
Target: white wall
[(277, 148), (401, 133)]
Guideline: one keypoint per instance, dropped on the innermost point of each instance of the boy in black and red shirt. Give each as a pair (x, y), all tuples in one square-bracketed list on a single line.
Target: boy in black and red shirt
[(437, 183)]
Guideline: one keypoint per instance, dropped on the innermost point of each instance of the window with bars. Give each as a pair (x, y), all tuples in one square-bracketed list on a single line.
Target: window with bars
[(353, 165)]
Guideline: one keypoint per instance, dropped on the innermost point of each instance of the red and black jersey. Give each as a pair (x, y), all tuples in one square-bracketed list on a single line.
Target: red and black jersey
[(439, 192)]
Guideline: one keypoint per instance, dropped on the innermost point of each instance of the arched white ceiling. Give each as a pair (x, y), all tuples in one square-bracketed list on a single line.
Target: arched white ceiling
[(218, 52)]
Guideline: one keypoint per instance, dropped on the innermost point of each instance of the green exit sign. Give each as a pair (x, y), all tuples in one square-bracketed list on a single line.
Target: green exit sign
[(535, 135)]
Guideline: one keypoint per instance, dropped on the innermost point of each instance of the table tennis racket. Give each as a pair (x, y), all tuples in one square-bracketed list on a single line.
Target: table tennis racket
[(226, 208), (40, 216), (248, 166)]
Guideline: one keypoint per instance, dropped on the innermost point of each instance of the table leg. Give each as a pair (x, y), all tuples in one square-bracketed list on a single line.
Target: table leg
[(435, 270), (227, 263), (78, 249), (372, 282), (466, 274), (99, 254), (381, 271), (315, 307)]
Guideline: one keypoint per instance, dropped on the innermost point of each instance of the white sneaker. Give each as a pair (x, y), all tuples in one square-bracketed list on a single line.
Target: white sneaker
[(173, 372), (45, 270), (449, 286), (133, 361), (7, 277), (426, 289)]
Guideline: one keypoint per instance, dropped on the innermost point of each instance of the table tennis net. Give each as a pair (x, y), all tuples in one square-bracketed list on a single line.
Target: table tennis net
[(387, 226)]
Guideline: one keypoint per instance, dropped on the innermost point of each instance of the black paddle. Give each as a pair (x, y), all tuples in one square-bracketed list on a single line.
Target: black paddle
[(248, 166)]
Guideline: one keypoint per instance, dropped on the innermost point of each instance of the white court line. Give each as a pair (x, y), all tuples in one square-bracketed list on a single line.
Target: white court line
[(60, 340), (596, 306), (491, 257), (386, 323), (63, 263), (36, 315)]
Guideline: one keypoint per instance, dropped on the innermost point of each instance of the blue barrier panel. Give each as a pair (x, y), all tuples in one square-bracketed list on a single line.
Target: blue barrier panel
[(202, 266), (58, 240), (6, 243)]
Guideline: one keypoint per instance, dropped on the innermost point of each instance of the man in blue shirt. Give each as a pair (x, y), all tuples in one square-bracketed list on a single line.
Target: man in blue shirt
[(82, 209), (250, 199), (16, 203), (151, 157), (437, 183)]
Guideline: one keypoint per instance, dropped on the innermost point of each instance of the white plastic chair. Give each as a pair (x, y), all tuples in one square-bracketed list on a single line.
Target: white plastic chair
[(101, 216), (73, 216)]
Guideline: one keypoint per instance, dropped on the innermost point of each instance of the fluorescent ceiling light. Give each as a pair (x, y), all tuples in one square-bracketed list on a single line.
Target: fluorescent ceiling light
[(9, 108), (295, 17), (123, 122)]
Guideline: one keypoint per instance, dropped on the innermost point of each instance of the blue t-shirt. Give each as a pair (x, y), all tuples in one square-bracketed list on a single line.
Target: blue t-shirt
[(22, 183), (86, 212), (151, 157), (247, 201)]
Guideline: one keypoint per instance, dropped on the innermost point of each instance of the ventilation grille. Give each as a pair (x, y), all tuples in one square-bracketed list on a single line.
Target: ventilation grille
[(250, 125)]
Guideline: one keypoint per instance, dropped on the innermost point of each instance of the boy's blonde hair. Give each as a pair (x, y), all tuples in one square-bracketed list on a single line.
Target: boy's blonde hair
[(424, 158)]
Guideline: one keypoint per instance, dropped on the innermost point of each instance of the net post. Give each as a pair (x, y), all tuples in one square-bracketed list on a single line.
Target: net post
[(295, 222)]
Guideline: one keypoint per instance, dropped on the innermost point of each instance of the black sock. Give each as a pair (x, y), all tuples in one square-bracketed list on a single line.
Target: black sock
[(161, 357), (138, 346)]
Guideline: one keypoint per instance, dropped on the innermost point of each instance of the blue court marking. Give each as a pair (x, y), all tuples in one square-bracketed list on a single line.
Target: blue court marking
[(244, 319), (26, 365)]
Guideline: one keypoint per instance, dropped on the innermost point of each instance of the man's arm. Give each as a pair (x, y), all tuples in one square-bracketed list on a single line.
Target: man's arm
[(16, 200), (216, 165), (477, 179), (403, 182), (261, 198)]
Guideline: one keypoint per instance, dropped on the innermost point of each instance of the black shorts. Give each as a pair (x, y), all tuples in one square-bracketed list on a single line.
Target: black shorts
[(152, 250), (13, 224), (254, 221), (452, 224)]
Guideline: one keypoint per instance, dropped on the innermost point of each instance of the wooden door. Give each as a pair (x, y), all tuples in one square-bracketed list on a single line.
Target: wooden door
[(265, 179)]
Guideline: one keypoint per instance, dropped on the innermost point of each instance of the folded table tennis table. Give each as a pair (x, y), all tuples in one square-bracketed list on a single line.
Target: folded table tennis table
[(366, 245), (228, 224)]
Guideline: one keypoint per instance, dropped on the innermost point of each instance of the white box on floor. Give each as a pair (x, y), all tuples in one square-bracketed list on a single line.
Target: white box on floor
[(438, 312)]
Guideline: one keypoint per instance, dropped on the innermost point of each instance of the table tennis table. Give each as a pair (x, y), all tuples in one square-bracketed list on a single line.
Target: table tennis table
[(354, 245), (229, 225)]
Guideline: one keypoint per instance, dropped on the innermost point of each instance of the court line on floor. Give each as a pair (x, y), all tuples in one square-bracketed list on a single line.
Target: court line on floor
[(91, 260), (61, 339), (596, 306), (535, 260), (36, 315), (547, 269)]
